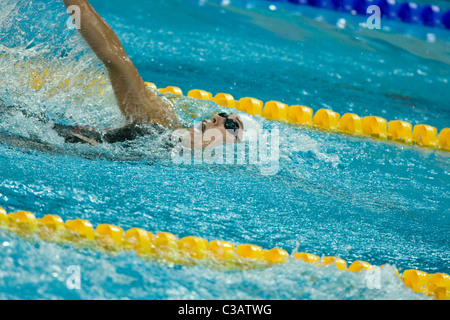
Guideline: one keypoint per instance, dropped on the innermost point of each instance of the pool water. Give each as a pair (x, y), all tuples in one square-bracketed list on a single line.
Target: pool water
[(332, 194)]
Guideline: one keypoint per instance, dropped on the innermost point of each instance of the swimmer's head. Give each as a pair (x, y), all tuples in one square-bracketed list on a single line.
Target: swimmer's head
[(222, 128)]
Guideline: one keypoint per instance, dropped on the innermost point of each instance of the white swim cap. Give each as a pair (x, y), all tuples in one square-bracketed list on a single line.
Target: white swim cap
[(251, 127)]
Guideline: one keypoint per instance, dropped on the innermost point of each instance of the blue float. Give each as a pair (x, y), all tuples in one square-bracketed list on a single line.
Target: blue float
[(347, 5), (299, 1), (431, 16), (328, 4), (446, 19), (335, 4), (325, 4), (409, 12), (314, 3), (360, 6), (388, 8)]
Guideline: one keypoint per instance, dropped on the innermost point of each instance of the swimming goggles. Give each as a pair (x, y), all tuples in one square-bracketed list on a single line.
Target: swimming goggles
[(231, 125)]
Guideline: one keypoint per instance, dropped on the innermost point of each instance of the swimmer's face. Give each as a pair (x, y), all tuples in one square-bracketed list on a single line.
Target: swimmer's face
[(220, 128)]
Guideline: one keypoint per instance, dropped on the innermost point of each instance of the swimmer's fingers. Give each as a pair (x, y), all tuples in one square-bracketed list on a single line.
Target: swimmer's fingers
[(91, 141)]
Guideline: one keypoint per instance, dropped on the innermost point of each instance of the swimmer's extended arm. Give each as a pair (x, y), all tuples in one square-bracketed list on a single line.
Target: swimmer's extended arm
[(137, 102)]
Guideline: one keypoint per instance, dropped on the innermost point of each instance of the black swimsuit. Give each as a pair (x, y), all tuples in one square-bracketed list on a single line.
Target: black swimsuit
[(126, 133)]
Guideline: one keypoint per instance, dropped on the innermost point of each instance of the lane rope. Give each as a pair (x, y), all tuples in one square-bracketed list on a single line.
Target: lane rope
[(374, 127), (408, 12), (167, 248)]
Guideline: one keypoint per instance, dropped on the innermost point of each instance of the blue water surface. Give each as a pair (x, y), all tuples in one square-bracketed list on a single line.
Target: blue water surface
[(331, 194)]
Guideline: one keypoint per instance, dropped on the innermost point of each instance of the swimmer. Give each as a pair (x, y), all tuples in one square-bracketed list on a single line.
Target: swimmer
[(139, 104)]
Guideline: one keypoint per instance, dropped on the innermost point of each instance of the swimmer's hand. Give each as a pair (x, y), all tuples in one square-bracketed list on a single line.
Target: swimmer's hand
[(90, 141)]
